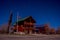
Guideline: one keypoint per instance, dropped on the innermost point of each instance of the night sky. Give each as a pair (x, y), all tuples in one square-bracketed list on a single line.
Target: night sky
[(43, 11)]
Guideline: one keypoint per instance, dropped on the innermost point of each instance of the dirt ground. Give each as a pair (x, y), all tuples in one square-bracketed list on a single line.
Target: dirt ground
[(29, 37)]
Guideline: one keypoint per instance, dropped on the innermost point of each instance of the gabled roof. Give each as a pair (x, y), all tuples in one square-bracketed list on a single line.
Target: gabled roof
[(22, 19)]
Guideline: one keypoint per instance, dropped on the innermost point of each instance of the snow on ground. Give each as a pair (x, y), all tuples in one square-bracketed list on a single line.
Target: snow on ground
[(30, 37)]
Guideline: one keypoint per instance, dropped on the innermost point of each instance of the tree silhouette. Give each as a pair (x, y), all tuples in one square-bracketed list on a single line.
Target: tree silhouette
[(10, 21), (4, 28), (46, 29), (58, 30), (52, 31)]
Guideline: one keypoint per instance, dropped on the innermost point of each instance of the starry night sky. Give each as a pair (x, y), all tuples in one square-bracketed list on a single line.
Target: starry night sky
[(43, 11)]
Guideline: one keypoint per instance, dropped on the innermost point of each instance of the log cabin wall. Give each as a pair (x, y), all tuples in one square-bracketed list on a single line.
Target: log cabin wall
[(29, 26)]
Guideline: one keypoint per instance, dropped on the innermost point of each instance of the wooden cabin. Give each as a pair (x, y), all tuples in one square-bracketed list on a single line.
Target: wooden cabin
[(44, 29), (25, 25)]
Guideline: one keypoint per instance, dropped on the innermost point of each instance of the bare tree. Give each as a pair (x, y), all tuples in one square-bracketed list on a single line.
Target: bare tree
[(4, 28), (58, 30), (10, 21), (47, 29), (52, 31)]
